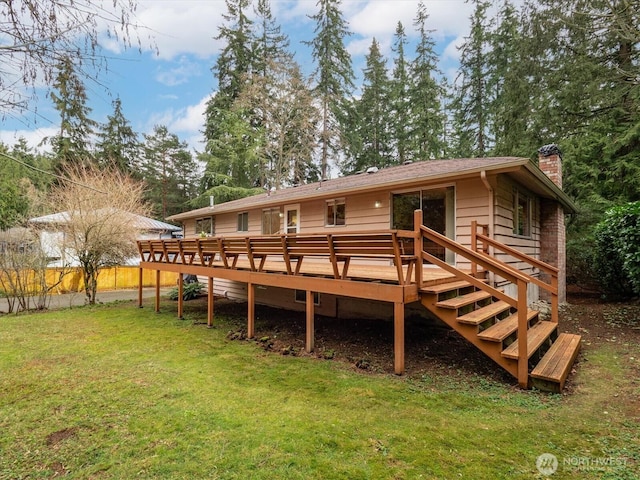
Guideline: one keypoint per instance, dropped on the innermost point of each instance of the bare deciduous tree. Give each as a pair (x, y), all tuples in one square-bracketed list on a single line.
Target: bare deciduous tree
[(100, 213), (36, 34), (23, 271)]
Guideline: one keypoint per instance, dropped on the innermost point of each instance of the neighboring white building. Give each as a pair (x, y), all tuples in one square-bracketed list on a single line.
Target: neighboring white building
[(52, 236)]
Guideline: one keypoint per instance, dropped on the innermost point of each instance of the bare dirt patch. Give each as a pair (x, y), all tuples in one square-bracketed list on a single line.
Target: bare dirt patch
[(55, 438)]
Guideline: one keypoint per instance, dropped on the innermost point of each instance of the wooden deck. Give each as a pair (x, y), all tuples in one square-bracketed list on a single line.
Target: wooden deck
[(382, 266)]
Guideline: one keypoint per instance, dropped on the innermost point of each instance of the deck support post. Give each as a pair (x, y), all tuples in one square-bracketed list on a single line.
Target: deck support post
[(310, 337), (140, 278), (398, 338), (210, 302), (251, 301), (180, 295), (157, 306)]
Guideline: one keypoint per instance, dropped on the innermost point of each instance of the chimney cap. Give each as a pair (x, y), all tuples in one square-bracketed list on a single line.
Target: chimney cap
[(550, 149)]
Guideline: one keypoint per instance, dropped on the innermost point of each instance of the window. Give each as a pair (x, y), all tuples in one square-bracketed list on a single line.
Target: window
[(243, 222), (301, 297), (205, 226), (335, 212), (521, 214), (271, 221)]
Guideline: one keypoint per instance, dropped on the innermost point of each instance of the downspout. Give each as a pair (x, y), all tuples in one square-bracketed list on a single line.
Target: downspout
[(492, 208)]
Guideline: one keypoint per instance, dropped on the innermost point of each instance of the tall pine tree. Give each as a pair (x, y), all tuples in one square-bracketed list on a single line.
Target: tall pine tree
[(373, 112), (334, 80), (118, 145), (73, 142), (400, 99), (471, 101), (426, 117)]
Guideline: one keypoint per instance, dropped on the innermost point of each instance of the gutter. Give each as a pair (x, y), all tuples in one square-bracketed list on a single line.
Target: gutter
[(323, 190), (555, 191)]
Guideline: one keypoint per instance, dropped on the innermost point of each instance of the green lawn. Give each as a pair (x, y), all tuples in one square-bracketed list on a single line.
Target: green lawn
[(119, 392)]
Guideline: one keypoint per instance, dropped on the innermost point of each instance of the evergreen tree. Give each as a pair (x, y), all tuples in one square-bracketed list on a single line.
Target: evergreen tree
[(283, 100), (235, 62), (590, 52), (234, 158), (471, 101), (21, 188), (508, 88), (426, 118), (400, 97), (373, 112), (334, 79), (73, 142), (118, 144), (169, 171), (271, 43)]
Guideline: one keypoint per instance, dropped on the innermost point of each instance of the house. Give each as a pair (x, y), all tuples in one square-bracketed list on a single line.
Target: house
[(473, 242), (522, 204), (52, 236)]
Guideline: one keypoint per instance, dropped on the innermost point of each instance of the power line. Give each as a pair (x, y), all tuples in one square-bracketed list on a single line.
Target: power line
[(52, 174)]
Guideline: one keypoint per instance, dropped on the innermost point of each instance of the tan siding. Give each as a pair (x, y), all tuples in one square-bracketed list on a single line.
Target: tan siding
[(504, 224), (472, 203), (189, 227)]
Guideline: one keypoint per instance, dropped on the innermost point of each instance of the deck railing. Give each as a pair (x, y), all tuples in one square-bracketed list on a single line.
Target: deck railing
[(550, 271), (292, 249), (490, 264)]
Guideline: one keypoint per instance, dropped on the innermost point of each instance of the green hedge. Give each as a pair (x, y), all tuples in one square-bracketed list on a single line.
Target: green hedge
[(617, 242)]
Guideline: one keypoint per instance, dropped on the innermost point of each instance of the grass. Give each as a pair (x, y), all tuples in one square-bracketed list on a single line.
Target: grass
[(115, 391)]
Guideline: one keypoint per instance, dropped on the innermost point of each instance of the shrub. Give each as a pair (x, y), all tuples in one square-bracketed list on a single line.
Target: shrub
[(581, 262), (618, 250), (190, 291)]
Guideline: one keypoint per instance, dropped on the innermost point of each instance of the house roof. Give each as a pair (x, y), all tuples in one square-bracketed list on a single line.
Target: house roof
[(428, 171), (137, 221)]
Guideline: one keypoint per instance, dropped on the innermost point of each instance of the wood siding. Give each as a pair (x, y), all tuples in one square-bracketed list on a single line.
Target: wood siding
[(472, 198)]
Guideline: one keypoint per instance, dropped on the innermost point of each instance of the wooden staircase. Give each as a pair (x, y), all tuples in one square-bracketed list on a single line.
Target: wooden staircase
[(491, 325), (503, 327)]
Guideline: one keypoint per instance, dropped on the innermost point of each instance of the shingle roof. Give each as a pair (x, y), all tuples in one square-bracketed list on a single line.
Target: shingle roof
[(416, 172), (138, 221)]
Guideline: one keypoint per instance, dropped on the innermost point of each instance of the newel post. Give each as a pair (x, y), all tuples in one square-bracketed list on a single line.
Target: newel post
[(417, 245), (523, 354), (474, 246)]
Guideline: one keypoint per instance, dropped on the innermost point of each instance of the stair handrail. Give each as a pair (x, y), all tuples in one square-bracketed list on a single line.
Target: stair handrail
[(491, 264), (550, 270)]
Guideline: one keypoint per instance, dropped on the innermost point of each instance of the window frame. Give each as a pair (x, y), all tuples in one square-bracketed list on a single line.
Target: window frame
[(300, 296), (271, 212), (212, 226), (243, 222), (522, 212), (335, 204)]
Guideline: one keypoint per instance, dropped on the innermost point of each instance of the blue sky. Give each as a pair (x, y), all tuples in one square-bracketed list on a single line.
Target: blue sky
[(172, 87)]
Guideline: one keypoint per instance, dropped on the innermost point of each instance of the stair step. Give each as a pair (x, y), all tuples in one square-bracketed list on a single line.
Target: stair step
[(463, 300), (536, 336), (482, 314), (444, 287), (557, 362), (504, 328)]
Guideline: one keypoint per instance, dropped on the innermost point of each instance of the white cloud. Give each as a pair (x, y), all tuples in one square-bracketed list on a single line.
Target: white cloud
[(187, 122), (181, 73), (34, 138), (186, 26), (191, 118)]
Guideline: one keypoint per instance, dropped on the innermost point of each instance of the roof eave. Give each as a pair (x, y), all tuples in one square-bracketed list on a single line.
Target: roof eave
[(554, 190), (516, 163)]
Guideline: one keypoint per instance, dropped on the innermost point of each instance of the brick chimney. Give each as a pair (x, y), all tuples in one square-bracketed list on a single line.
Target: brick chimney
[(550, 162), (552, 229)]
